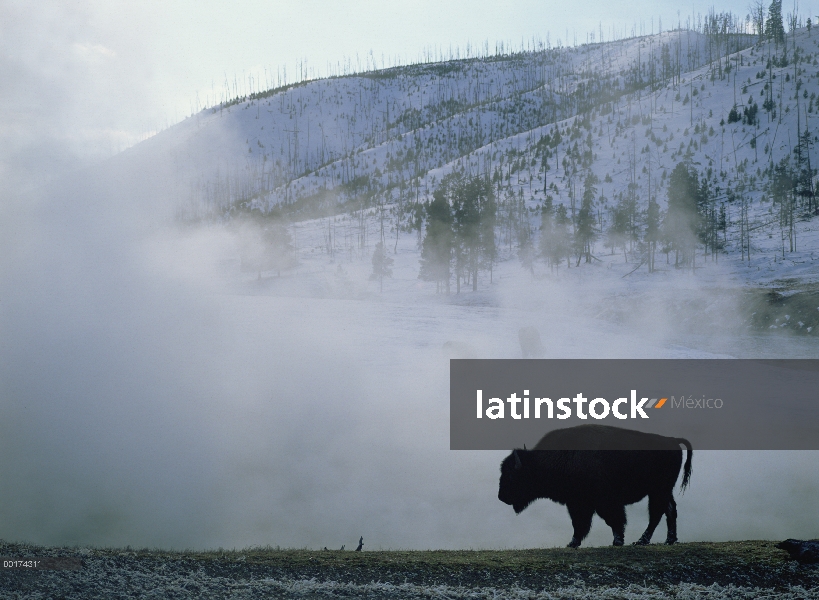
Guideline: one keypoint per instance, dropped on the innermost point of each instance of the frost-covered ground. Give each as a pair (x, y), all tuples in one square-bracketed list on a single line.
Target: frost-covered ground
[(731, 570)]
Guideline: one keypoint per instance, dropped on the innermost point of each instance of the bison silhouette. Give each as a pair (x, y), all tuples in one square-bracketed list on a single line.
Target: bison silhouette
[(599, 469)]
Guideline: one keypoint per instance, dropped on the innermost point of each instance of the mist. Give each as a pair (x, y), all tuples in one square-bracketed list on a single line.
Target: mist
[(152, 395)]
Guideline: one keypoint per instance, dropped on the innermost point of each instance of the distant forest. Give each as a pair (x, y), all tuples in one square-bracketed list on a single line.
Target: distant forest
[(500, 155)]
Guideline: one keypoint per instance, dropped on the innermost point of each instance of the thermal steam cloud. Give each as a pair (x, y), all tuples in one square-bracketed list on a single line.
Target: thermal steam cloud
[(149, 396)]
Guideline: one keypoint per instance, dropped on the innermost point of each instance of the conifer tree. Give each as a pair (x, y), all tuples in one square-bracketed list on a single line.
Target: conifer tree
[(546, 243), (561, 247), (472, 204), (436, 248), (585, 233), (681, 220), (489, 209), (526, 250), (652, 231), (382, 264), (618, 233), (783, 187), (774, 27)]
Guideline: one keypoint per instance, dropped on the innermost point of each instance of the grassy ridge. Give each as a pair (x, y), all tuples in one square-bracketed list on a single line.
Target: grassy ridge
[(748, 564), (751, 563)]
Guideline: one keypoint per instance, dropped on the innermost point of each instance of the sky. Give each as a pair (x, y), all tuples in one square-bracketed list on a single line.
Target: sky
[(84, 80)]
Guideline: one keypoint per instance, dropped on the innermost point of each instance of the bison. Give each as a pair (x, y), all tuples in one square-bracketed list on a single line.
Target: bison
[(596, 469)]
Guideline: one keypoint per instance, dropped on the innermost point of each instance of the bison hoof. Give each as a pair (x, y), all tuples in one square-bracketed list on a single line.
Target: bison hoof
[(642, 542), (573, 544), (671, 541), (618, 541)]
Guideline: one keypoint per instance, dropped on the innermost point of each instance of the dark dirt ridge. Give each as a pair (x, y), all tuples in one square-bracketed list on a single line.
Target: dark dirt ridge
[(789, 305), (725, 569)]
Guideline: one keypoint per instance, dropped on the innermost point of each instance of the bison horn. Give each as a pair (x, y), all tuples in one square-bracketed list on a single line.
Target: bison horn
[(524, 446), (518, 464)]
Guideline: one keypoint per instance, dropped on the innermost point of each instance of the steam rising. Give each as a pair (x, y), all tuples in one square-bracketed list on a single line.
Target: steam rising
[(153, 395)]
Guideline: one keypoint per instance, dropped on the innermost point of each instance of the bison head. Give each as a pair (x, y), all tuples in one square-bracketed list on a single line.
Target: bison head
[(515, 481)]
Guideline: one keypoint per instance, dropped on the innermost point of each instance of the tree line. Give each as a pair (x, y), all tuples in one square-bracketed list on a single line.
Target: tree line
[(465, 226)]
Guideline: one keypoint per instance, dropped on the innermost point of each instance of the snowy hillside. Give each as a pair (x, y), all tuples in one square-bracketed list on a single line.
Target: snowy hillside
[(390, 129), (349, 160)]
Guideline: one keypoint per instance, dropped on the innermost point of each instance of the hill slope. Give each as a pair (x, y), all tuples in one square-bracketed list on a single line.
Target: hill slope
[(739, 114)]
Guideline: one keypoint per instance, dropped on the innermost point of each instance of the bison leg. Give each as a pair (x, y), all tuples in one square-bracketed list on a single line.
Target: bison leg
[(581, 521), (656, 509), (671, 521), (615, 517)]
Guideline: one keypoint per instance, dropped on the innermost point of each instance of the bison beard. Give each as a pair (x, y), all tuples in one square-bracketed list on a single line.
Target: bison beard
[(596, 468)]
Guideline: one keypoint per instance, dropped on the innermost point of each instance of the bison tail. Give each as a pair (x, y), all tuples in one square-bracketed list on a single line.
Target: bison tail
[(687, 469)]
